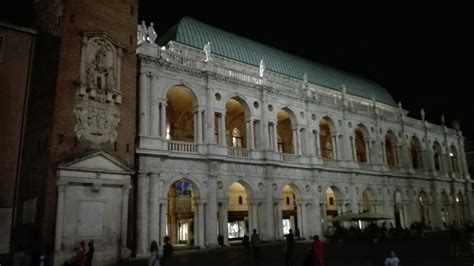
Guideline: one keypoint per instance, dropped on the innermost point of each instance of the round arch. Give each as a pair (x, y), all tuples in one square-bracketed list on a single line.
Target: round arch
[(196, 186), (391, 143), (327, 129), (437, 155), (242, 181), (240, 99), (181, 103), (188, 89), (453, 155), (423, 204), (416, 150), (361, 137), (368, 199), (286, 121)]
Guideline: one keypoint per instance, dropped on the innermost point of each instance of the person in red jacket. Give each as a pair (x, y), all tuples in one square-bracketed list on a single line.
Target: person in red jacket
[(317, 250)]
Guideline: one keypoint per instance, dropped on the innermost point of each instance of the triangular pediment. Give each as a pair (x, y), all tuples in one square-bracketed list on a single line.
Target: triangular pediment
[(98, 161)]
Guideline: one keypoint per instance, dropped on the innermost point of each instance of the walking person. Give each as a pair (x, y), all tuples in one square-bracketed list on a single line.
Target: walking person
[(90, 253), (153, 260), (255, 242), (167, 251), (290, 249), (81, 254), (317, 252), (392, 259)]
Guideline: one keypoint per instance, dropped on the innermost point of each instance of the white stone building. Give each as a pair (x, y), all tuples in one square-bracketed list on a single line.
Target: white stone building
[(240, 136)]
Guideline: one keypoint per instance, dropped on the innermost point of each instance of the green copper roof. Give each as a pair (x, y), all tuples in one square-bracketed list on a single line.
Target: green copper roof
[(194, 33)]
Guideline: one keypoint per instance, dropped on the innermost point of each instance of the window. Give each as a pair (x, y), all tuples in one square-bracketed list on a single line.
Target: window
[(240, 200), (2, 42), (287, 200), (331, 201)]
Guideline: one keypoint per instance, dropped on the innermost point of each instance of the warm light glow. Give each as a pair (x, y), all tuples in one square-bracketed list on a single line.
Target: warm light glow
[(457, 199), (451, 154)]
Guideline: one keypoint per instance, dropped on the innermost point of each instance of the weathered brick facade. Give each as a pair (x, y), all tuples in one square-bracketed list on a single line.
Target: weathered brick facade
[(50, 137)]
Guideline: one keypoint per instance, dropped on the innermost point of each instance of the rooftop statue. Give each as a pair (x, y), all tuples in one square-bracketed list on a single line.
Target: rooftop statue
[(207, 51), (141, 33), (261, 68), (305, 80), (152, 33)]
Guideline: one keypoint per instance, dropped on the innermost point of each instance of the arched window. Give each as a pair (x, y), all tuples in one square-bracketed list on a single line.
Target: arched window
[(331, 201), (236, 138), (287, 200), (240, 200)]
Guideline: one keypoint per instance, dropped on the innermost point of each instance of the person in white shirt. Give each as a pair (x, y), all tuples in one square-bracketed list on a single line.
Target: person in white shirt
[(392, 259)]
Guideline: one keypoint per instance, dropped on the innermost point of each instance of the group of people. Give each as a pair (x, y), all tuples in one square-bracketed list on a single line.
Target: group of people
[(83, 257), (154, 259)]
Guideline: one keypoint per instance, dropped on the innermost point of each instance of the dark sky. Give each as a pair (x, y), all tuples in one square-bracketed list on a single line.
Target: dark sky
[(422, 55)]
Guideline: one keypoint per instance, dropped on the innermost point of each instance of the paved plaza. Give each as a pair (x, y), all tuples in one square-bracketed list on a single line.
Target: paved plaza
[(434, 249)]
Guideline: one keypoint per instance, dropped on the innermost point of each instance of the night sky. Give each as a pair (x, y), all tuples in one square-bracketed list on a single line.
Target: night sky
[(422, 55)]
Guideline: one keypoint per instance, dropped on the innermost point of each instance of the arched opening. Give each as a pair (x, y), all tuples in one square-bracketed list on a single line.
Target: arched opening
[(415, 149), (437, 155), (367, 201), (237, 212), (445, 215), (453, 154), (332, 207), (235, 123), (179, 114), (361, 151), (398, 210), (284, 131), (290, 211), (390, 151), (423, 204), (325, 138), (460, 205), (181, 213)]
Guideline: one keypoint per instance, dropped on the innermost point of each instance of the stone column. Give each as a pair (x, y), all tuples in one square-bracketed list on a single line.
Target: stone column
[(299, 217), (354, 150), (278, 220), (222, 136), (338, 153), (269, 210), (318, 144), (142, 214), (196, 225), (199, 126), (304, 225), (124, 222), (154, 217), (211, 212), (367, 151), (201, 224), (163, 119), (59, 217), (275, 137), (155, 108), (163, 219), (144, 98), (223, 220), (295, 141), (250, 134), (255, 216)]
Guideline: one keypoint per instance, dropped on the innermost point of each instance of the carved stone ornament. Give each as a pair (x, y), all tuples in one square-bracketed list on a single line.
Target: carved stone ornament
[(99, 95)]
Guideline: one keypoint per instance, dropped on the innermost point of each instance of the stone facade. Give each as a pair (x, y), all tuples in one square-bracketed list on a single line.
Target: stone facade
[(380, 160)]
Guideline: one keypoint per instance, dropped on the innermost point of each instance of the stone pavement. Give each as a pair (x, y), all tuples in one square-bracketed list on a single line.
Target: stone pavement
[(432, 250)]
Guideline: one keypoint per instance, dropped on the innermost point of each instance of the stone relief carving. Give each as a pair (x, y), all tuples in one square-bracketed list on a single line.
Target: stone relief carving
[(96, 110)]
